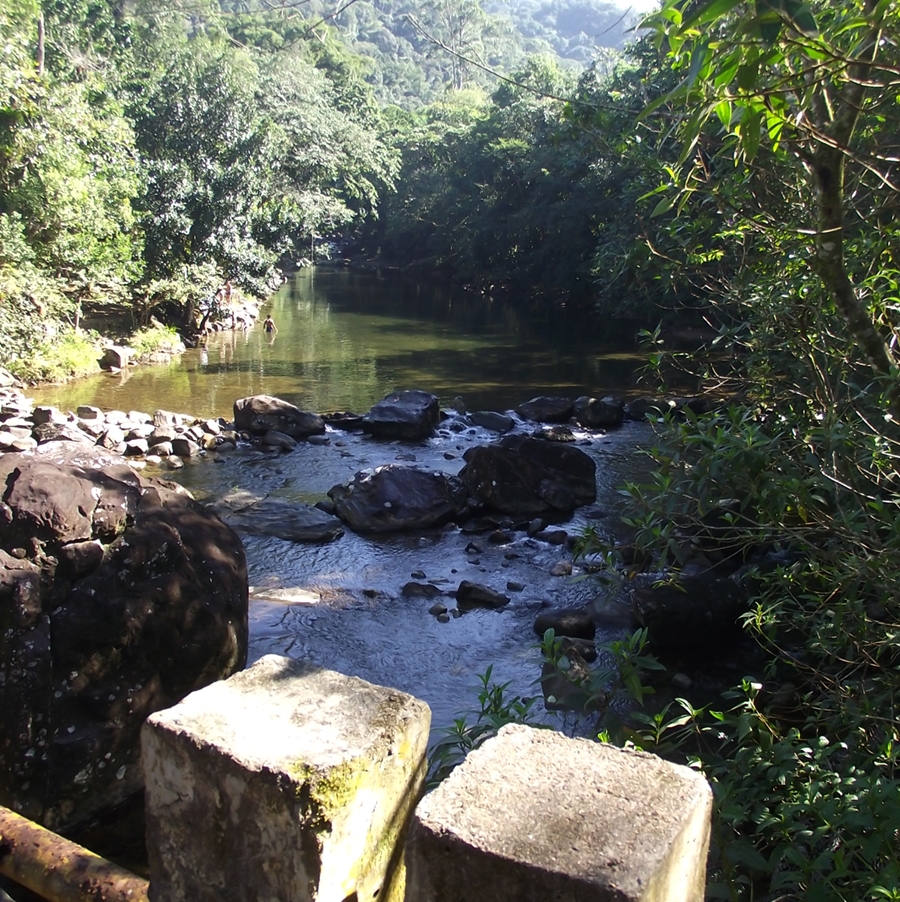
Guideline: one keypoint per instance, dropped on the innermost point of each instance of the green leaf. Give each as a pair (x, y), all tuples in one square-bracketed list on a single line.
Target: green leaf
[(709, 13), (802, 17), (663, 206), (741, 852), (768, 22), (747, 75), (698, 64), (749, 130), (723, 111)]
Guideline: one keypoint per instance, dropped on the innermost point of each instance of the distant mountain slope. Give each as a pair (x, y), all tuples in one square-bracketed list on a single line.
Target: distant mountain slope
[(415, 49)]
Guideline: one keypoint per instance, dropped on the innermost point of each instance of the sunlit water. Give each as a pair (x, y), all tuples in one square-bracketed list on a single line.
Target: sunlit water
[(345, 340)]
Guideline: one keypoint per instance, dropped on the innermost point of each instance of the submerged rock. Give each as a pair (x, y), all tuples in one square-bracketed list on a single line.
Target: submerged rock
[(293, 522), (489, 419), (475, 595)]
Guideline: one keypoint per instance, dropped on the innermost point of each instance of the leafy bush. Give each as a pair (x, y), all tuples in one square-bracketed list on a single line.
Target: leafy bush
[(65, 355), (155, 338), (804, 766)]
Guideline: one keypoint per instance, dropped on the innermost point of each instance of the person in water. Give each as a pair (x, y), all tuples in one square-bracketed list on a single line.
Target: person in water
[(269, 325)]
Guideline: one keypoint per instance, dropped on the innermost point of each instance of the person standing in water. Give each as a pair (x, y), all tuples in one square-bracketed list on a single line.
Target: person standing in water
[(269, 325)]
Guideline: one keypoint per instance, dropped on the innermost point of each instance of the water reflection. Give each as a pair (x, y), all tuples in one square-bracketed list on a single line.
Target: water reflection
[(346, 339)]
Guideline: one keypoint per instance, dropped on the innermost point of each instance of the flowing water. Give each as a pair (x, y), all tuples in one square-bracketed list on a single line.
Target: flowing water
[(344, 341)]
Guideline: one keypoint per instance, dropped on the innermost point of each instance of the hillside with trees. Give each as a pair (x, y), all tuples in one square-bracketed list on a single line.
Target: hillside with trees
[(738, 165)]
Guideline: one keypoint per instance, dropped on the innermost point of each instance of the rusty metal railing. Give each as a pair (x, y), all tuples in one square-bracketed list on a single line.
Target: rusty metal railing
[(59, 870)]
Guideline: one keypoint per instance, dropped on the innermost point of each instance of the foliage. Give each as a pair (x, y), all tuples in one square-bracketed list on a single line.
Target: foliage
[(607, 691), (154, 338), (496, 710), (206, 152), (64, 354), (808, 86)]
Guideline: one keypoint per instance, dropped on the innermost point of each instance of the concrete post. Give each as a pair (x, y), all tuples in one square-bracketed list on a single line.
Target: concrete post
[(533, 815), (284, 782)]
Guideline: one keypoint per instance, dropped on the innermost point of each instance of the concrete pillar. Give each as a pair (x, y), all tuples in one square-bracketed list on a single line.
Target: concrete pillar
[(284, 782), (533, 815)]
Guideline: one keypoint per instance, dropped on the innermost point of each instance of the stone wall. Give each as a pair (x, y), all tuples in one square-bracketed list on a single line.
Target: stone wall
[(289, 782)]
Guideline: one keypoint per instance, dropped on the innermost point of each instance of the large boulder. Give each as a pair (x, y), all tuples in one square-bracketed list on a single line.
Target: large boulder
[(409, 415), (119, 595), (693, 613), (260, 414), (544, 409), (395, 497), (599, 413), (529, 477)]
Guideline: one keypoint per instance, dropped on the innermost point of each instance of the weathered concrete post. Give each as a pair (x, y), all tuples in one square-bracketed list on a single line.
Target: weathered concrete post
[(284, 782), (533, 815)]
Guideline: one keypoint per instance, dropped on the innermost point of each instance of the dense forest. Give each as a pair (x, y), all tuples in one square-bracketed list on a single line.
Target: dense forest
[(729, 160)]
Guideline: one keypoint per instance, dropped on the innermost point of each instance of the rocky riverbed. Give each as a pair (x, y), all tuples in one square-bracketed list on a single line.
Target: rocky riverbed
[(381, 605), (412, 546)]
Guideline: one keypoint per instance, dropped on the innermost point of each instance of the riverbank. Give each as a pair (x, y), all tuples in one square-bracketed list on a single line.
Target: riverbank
[(105, 338)]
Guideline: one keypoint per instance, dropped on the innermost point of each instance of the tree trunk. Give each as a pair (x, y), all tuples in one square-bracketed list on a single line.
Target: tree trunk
[(39, 53)]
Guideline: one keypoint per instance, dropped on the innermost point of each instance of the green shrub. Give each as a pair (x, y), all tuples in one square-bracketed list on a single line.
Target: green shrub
[(66, 355), (155, 338), (496, 709)]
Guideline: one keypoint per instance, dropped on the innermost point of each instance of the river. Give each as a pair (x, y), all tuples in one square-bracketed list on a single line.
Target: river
[(345, 339)]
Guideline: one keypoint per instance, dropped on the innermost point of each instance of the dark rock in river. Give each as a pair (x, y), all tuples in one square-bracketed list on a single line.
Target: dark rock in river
[(409, 415), (474, 595), (421, 590), (576, 623), (286, 520), (556, 433), (643, 407), (527, 476), (599, 413), (119, 595), (260, 414), (489, 419), (546, 410), (395, 497), (694, 612)]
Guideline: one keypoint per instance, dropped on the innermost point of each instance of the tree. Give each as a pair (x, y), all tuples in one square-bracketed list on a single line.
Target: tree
[(207, 153), (813, 84)]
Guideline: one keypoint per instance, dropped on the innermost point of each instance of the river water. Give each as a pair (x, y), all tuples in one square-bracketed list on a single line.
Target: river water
[(345, 340)]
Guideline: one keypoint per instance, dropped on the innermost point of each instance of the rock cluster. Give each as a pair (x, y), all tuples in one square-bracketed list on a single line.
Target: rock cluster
[(160, 437)]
